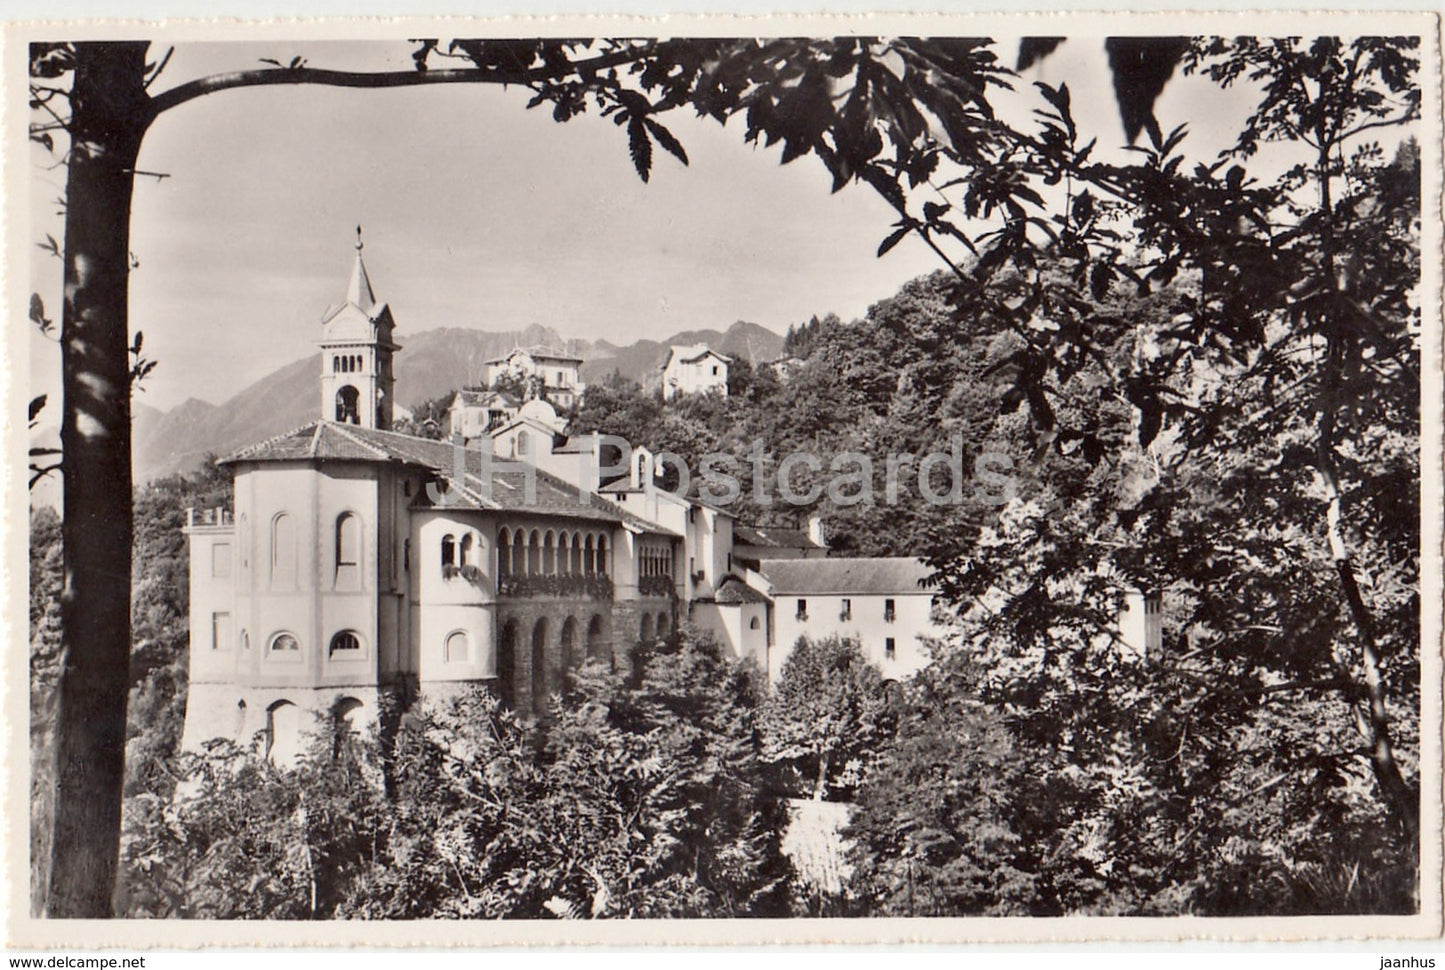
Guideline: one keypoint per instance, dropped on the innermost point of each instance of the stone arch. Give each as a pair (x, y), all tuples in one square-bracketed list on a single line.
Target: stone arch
[(540, 685), (549, 553), (571, 659), (449, 550), (596, 645), (575, 555), (346, 723), (564, 557), (644, 631), (348, 405), (504, 552), (534, 553), (283, 733), (467, 551), (507, 664), (602, 555), (589, 557), (664, 624)]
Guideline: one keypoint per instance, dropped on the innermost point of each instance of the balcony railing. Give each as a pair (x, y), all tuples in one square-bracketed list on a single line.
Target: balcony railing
[(472, 574), (655, 586), (595, 587)]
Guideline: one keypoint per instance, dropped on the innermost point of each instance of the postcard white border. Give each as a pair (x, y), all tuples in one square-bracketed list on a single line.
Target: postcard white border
[(23, 931)]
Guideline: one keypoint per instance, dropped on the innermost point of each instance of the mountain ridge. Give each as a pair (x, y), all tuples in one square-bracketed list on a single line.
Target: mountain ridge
[(431, 363)]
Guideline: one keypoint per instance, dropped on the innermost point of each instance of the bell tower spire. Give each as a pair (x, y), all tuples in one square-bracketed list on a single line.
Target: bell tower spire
[(356, 355), (358, 291)]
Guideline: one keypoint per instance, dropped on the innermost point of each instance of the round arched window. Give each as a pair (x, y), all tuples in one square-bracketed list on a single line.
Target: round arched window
[(345, 642), (754, 625), (456, 648), (245, 640), (285, 643)]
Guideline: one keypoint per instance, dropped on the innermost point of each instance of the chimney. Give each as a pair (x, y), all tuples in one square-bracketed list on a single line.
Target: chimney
[(815, 530)]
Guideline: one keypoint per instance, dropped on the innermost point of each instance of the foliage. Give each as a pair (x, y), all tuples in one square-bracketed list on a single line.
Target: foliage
[(639, 798), (160, 626), (827, 713), (248, 840), (428, 419), (933, 829)]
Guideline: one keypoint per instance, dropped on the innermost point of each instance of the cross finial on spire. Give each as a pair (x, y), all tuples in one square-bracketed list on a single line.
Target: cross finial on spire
[(358, 292)]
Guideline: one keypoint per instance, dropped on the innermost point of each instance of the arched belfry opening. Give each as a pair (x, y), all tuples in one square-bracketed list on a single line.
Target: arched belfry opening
[(348, 405)]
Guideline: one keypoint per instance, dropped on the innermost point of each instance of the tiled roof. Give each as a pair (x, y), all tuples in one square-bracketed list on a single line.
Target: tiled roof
[(694, 494), (483, 397), (771, 538), (327, 440), (539, 352), (735, 592), (578, 444), (896, 574), (691, 352)]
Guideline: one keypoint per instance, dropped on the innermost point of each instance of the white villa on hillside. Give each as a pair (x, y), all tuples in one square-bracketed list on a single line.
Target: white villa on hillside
[(695, 369), (556, 373), (476, 411)]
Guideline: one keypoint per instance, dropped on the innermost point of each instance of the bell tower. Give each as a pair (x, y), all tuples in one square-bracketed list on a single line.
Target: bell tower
[(356, 355)]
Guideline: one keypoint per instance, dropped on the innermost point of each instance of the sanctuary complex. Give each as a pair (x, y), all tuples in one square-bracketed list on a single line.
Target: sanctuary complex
[(358, 561)]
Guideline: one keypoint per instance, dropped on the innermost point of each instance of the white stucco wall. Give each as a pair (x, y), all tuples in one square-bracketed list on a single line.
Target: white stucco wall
[(696, 377), (445, 605), (912, 621)]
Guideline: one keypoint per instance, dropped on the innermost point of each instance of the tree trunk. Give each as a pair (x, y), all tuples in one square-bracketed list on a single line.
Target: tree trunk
[(821, 788), (1341, 343), (1400, 796), (107, 123)]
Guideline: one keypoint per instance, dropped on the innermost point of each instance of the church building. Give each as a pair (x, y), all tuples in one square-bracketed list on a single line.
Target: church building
[(357, 560)]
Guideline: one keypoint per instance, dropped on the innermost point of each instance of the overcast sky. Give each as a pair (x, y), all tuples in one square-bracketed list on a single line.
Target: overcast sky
[(480, 214)]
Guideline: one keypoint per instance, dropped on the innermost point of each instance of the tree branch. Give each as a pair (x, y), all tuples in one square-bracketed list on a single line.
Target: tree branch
[(385, 79), (160, 67)]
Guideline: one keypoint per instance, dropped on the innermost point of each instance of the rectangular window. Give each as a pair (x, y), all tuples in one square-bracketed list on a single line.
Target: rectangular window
[(221, 560), (847, 612), (890, 611), (890, 649), (802, 609), (220, 631)]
